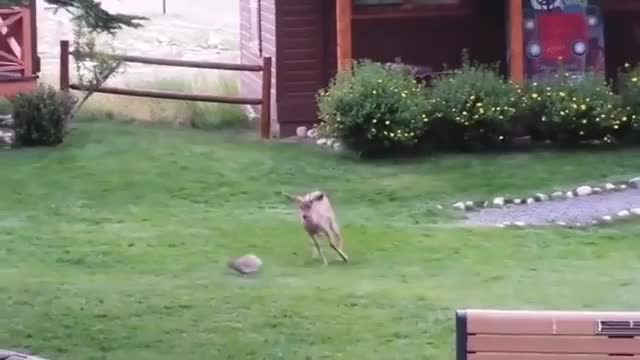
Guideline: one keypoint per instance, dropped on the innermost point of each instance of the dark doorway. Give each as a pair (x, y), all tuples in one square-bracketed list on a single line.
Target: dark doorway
[(622, 39)]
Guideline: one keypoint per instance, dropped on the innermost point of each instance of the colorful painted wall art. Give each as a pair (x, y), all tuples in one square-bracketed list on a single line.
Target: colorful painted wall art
[(563, 34)]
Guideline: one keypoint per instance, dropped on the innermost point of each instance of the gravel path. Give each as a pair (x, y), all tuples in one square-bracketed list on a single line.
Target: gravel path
[(571, 211)]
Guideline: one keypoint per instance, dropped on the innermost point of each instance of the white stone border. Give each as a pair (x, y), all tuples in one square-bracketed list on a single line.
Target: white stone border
[(584, 190), (329, 143), (598, 221)]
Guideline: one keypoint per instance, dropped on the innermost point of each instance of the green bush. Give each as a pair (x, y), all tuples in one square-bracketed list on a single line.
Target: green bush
[(40, 116), (374, 109), (570, 111), (629, 88), (473, 106)]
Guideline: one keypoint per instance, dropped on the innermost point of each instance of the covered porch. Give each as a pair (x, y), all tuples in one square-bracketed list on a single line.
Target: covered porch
[(427, 33)]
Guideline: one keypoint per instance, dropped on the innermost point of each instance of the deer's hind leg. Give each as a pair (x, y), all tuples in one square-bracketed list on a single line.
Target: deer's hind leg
[(332, 236)]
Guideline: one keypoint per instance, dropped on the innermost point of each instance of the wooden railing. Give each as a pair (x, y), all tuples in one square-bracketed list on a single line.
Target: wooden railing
[(264, 100)]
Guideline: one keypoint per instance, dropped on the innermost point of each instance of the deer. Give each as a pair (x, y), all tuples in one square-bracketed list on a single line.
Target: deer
[(318, 218)]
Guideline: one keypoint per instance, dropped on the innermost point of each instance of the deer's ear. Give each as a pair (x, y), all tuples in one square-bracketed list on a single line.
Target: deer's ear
[(291, 197), (318, 196)]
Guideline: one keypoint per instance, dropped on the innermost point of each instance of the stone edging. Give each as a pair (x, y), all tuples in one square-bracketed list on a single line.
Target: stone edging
[(303, 133), (584, 190), (602, 220)]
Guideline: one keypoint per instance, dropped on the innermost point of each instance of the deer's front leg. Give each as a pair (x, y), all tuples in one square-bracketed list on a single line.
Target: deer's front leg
[(317, 248)]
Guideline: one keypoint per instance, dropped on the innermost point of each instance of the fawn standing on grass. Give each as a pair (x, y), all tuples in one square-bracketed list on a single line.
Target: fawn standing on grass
[(318, 218)]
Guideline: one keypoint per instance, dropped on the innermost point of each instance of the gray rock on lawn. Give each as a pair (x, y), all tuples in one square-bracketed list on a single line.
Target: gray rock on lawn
[(609, 187), (247, 264), (498, 202), (12, 355), (635, 182)]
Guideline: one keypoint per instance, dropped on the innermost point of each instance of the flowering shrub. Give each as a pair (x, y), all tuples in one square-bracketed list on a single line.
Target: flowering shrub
[(382, 109), (629, 86), (374, 109), (569, 111), (472, 106)]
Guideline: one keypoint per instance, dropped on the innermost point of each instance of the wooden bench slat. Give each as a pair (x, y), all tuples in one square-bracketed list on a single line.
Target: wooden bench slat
[(553, 344), (539, 323), (522, 356)]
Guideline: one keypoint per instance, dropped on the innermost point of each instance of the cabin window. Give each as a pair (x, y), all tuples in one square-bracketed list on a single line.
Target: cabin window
[(255, 9)]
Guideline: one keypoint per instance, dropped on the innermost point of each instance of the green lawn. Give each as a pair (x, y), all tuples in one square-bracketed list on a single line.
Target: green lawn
[(114, 247)]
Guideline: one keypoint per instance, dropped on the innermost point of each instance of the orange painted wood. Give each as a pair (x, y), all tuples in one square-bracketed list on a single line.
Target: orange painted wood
[(265, 111), (553, 344), (536, 356), (540, 323), (10, 88), (516, 41), (344, 9), (27, 47), (10, 11)]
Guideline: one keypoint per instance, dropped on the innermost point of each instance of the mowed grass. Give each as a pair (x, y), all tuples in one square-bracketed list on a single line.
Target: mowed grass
[(114, 247)]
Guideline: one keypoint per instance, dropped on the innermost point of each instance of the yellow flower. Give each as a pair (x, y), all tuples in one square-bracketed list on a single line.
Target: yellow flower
[(561, 94), (583, 107), (534, 95)]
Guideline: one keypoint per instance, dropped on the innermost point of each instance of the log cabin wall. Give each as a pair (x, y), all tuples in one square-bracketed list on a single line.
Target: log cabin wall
[(258, 39)]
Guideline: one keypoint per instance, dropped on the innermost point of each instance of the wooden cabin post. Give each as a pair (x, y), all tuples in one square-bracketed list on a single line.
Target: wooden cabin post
[(344, 9), (516, 42)]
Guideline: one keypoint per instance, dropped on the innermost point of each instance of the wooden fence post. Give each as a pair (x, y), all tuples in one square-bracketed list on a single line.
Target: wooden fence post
[(64, 65), (265, 109)]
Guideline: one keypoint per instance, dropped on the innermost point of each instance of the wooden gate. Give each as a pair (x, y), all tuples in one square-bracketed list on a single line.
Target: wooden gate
[(18, 52)]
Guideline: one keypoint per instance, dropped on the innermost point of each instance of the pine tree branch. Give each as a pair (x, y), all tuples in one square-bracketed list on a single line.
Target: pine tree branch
[(91, 13)]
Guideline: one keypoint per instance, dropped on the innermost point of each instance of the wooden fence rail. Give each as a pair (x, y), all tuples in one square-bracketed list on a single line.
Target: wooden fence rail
[(264, 101)]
